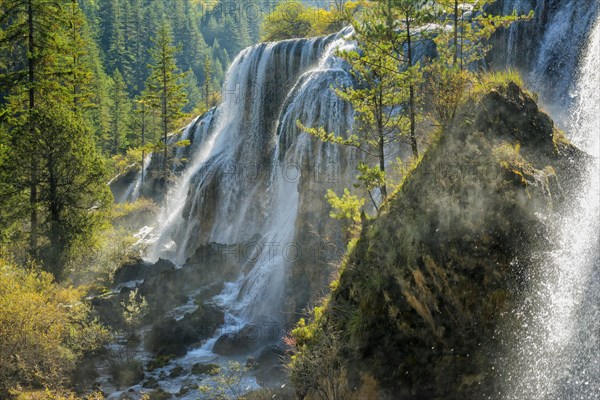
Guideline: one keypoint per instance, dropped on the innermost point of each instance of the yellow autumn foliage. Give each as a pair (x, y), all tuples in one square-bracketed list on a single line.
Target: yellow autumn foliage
[(44, 329)]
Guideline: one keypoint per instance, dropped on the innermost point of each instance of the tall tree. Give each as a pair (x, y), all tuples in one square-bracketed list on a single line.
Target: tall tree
[(165, 87), (193, 92), (208, 76), (377, 98), (404, 19), (120, 113), (51, 154), (32, 34), (72, 182), (79, 53)]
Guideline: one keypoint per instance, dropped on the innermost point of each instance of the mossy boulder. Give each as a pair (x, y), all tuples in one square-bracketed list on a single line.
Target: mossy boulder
[(171, 336), (205, 369)]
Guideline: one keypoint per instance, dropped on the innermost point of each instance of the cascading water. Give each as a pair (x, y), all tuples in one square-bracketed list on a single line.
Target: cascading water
[(545, 47), (252, 176), (556, 354), (246, 165)]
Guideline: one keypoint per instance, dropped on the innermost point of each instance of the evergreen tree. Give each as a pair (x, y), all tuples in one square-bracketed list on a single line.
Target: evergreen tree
[(31, 35), (72, 183), (193, 92), (404, 19), (50, 155), (120, 113), (208, 75), (80, 52), (384, 85), (165, 90), (459, 49)]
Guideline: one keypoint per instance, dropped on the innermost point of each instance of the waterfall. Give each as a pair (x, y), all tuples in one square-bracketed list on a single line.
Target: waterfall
[(545, 48), (557, 351), (248, 161)]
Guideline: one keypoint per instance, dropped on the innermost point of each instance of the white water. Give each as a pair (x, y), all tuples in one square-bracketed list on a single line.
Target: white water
[(247, 161), (547, 48), (171, 211), (246, 166), (557, 353)]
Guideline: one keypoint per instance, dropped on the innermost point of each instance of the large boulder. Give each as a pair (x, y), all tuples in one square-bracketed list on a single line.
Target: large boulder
[(251, 337), (171, 336)]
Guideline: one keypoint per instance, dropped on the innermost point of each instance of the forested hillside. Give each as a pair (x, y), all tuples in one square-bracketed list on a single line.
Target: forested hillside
[(95, 84)]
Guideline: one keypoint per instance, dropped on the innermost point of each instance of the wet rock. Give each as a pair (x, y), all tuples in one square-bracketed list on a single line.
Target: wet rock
[(249, 338), (160, 395), (151, 383), (160, 362), (186, 389), (452, 254), (105, 307), (269, 367), (139, 270), (205, 369), (176, 372), (170, 336), (127, 373), (119, 185)]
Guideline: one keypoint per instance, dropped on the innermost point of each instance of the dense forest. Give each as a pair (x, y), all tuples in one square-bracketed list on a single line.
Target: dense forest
[(361, 220), (87, 78)]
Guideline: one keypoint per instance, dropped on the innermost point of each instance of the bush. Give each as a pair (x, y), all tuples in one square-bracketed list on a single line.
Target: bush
[(54, 395), (292, 19), (44, 330)]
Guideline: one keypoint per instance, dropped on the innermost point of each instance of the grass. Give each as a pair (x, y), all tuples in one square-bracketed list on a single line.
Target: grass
[(488, 81)]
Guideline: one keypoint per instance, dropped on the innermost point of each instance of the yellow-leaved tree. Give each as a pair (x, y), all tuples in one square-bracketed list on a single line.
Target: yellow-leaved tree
[(44, 330)]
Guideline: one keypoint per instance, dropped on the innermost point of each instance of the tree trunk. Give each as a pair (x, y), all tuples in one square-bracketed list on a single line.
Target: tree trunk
[(33, 195), (455, 32), (411, 100), (381, 134), (56, 242), (143, 144), (164, 110)]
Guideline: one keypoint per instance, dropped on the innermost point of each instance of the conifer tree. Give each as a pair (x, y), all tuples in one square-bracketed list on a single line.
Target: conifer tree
[(193, 92), (51, 156), (79, 48), (31, 35), (383, 87), (165, 90), (120, 113), (208, 75)]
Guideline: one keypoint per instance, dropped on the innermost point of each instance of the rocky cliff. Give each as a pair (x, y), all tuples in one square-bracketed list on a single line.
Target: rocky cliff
[(420, 294)]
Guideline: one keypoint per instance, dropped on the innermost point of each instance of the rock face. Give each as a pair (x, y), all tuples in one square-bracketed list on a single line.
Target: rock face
[(420, 295)]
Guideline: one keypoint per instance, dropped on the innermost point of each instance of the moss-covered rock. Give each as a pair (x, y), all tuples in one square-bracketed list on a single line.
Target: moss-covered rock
[(171, 336), (421, 291), (205, 369)]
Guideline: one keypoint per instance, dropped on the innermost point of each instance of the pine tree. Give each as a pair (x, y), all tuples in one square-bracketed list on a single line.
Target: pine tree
[(164, 86), (50, 156), (467, 42), (120, 113), (31, 34), (193, 92), (383, 96), (403, 20), (72, 176), (79, 52), (460, 50), (208, 75)]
